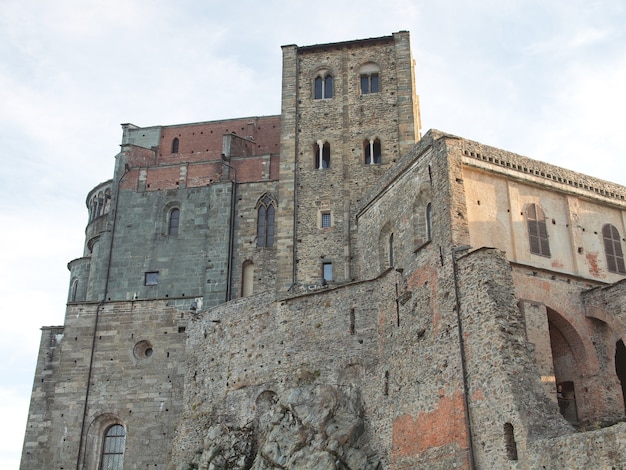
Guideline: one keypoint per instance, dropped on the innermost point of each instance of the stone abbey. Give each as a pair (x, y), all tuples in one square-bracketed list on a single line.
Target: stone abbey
[(329, 289)]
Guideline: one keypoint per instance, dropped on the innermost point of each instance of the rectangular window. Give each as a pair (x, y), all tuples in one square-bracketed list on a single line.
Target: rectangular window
[(374, 83), (151, 278), (328, 271), (365, 85), (326, 220)]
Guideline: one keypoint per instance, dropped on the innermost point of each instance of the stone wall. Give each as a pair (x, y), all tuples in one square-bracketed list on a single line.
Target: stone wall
[(132, 367), (256, 345), (344, 121)]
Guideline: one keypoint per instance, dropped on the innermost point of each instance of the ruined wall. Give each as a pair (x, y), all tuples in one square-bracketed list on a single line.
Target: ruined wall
[(254, 346), (407, 214), (504, 387), (136, 379)]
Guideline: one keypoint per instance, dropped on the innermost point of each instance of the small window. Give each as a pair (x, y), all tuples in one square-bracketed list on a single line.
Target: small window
[(371, 150), (369, 83), (113, 448), (537, 231), (613, 249), (175, 143), (151, 278), (323, 86), (322, 155), (173, 222), (327, 271), (369, 74), (325, 219), (392, 254), (509, 442), (265, 222)]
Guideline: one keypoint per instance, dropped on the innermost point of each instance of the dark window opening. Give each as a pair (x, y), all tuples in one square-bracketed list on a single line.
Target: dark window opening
[(322, 155), (566, 399), (369, 83), (265, 222), (613, 249), (372, 152), (323, 88), (173, 222), (151, 278), (175, 143), (537, 231), (509, 442), (352, 321)]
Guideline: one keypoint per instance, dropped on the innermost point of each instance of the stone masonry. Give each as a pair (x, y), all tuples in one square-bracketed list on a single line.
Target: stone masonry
[(328, 289)]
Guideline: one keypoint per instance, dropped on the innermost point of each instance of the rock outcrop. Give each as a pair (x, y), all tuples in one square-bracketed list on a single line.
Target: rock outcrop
[(317, 427)]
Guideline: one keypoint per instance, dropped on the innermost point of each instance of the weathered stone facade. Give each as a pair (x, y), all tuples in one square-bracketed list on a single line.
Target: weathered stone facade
[(465, 284)]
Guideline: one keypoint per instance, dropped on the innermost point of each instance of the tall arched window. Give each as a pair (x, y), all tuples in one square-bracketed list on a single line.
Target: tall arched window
[(173, 222), (613, 249), (107, 201), (371, 151), (392, 254), (74, 290), (175, 144), (323, 85), (113, 448), (322, 155), (265, 222), (537, 230)]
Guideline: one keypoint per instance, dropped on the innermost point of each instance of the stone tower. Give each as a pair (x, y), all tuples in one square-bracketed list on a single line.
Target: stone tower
[(349, 110)]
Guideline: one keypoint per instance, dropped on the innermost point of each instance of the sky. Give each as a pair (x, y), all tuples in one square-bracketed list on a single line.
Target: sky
[(544, 79)]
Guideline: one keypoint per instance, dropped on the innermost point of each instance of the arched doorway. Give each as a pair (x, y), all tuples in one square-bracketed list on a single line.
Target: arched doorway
[(566, 349)]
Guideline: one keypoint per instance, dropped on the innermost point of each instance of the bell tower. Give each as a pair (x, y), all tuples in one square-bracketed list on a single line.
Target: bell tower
[(349, 111)]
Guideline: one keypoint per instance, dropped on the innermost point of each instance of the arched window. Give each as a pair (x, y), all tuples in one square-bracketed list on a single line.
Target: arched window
[(613, 249), (369, 78), (323, 85), (73, 290), (92, 209), (392, 254), (173, 222), (265, 222), (509, 442), (113, 448), (371, 151), (537, 230), (175, 143), (107, 201), (100, 204), (322, 155)]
